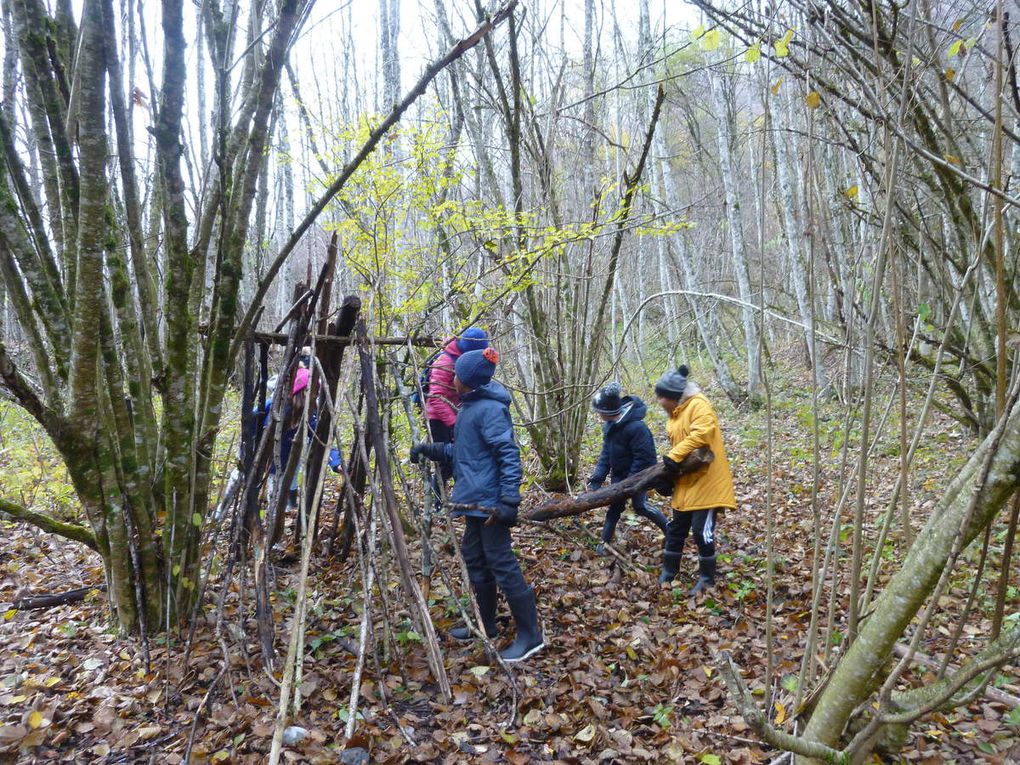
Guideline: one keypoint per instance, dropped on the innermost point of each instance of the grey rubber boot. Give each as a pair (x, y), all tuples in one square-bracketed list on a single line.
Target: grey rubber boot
[(670, 566), (485, 597), (529, 635), (706, 575)]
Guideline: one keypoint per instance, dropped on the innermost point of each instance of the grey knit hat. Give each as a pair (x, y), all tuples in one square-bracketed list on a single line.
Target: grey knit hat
[(608, 400), (673, 383)]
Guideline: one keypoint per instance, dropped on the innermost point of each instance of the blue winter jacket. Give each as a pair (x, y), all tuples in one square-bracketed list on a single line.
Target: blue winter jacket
[(627, 444), (287, 440), (486, 459)]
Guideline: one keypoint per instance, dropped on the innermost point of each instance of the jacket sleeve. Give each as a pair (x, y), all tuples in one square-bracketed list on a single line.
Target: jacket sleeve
[(498, 435), (642, 446), (442, 454), (704, 426), (602, 466)]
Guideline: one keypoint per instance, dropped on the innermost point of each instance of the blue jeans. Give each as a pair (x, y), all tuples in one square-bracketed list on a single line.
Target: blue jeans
[(489, 557)]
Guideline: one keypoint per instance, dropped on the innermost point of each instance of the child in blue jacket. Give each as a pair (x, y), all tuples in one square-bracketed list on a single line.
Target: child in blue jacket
[(627, 448), (487, 474)]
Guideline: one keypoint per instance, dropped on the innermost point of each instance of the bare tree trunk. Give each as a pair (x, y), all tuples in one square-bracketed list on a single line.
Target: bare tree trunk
[(389, 55), (418, 606), (972, 501), (738, 250), (791, 231)]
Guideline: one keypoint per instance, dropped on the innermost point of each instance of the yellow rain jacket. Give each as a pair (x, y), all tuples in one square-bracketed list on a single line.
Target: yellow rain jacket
[(692, 424)]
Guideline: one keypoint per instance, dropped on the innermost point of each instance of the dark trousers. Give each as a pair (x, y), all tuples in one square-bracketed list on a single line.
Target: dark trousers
[(442, 433), (638, 502), (489, 557), (702, 522)]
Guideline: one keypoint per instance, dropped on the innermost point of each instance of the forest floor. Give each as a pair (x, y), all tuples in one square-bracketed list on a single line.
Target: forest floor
[(629, 672)]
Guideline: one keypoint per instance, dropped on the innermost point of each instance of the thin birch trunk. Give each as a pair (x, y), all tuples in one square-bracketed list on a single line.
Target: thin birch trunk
[(791, 231), (738, 250)]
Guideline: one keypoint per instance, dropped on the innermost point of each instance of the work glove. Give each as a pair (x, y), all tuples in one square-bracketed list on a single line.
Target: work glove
[(429, 451), (506, 513), (664, 484)]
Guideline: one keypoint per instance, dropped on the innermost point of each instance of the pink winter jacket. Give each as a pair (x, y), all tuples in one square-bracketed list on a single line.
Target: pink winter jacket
[(442, 400)]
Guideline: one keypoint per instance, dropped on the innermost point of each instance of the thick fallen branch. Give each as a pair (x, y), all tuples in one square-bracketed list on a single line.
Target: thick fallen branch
[(615, 492), (422, 341), (27, 602)]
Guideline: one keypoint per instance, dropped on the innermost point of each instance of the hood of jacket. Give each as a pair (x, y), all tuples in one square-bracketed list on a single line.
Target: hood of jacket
[(633, 409), (690, 390), (491, 390), (452, 348)]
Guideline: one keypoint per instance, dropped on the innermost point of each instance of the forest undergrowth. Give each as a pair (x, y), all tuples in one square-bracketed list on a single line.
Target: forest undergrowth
[(628, 675)]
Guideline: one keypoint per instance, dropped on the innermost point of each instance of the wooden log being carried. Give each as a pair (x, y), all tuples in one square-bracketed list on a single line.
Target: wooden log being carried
[(628, 487)]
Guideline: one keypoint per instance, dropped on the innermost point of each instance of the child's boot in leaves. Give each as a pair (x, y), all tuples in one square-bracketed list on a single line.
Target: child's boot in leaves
[(706, 575), (670, 567), (529, 635), (485, 597)]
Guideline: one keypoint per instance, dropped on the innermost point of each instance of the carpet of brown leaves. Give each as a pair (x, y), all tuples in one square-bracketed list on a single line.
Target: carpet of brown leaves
[(628, 674)]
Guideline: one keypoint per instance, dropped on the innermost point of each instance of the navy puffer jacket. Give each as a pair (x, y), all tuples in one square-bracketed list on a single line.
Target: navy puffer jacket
[(627, 444), (486, 458)]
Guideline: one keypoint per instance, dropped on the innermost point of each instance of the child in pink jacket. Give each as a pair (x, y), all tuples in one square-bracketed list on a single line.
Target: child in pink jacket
[(442, 400)]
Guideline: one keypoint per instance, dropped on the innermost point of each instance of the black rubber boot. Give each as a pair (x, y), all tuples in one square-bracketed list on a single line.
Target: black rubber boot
[(529, 635), (706, 575), (485, 597), (670, 567)]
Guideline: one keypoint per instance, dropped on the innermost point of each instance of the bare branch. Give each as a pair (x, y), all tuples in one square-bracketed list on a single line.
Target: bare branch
[(349, 169), (757, 719), (49, 524)]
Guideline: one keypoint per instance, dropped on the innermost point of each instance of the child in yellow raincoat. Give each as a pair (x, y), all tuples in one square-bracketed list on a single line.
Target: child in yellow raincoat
[(698, 497)]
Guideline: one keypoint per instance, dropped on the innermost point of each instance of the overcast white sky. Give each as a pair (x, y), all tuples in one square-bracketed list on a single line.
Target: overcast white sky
[(419, 41), (417, 20)]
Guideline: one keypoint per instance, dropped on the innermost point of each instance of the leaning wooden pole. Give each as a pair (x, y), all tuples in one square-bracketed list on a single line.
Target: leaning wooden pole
[(418, 606), (331, 358)]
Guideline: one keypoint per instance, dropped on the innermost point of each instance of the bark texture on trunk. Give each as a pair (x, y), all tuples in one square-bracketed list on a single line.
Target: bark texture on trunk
[(972, 501)]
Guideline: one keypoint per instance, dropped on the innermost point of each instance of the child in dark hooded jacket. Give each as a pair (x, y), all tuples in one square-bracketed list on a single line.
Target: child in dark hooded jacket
[(487, 477), (627, 448)]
